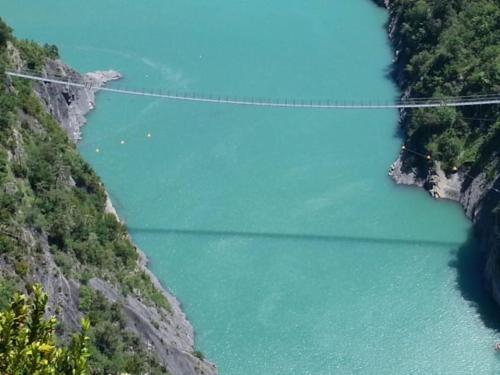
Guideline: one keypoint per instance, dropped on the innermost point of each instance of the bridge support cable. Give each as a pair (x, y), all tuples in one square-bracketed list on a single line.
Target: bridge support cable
[(286, 103)]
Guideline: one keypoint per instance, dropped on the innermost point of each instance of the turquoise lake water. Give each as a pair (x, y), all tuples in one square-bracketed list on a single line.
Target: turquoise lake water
[(279, 230)]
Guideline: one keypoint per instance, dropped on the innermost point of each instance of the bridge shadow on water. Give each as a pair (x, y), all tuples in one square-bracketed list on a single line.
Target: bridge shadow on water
[(468, 261), (291, 236), (470, 265)]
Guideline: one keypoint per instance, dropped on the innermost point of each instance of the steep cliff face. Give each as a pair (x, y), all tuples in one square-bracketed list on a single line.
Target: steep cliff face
[(69, 105), (475, 184), (58, 228)]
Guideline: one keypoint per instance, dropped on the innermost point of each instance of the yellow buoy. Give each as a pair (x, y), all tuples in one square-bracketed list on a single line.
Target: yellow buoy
[(455, 169)]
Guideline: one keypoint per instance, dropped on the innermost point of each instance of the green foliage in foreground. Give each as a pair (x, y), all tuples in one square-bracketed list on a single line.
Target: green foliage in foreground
[(28, 343)]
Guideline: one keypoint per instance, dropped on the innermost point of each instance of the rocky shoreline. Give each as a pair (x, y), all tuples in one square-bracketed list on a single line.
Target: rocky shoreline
[(168, 334), (475, 192), (436, 182)]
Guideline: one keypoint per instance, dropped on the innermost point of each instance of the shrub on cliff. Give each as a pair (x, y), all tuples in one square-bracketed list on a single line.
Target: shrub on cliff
[(28, 343), (5, 33)]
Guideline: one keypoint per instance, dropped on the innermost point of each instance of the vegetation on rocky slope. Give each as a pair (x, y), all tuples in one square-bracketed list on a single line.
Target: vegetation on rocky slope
[(51, 202), (451, 48)]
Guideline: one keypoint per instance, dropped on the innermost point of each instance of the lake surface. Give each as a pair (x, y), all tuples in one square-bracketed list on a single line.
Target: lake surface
[(279, 230)]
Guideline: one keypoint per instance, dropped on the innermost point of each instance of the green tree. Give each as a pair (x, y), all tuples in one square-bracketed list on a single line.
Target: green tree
[(27, 340), (5, 33)]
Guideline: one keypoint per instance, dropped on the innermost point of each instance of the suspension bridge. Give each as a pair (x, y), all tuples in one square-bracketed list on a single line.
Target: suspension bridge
[(407, 103), (462, 101)]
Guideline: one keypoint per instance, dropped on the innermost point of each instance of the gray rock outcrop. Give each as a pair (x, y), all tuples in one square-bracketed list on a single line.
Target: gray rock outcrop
[(69, 104)]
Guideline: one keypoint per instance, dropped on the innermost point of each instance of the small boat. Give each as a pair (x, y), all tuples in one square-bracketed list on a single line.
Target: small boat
[(497, 346)]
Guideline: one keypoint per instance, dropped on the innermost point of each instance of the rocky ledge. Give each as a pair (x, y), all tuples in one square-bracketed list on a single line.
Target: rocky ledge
[(458, 186), (68, 104)]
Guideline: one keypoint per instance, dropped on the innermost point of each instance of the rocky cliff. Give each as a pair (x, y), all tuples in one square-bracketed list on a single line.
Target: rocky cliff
[(38, 247), (167, 333), (475, 187)]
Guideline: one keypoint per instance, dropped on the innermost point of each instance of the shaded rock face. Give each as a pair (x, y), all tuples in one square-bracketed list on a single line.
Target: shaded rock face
[(457, 187), (63, 293), (167, 333), (68, 104)]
